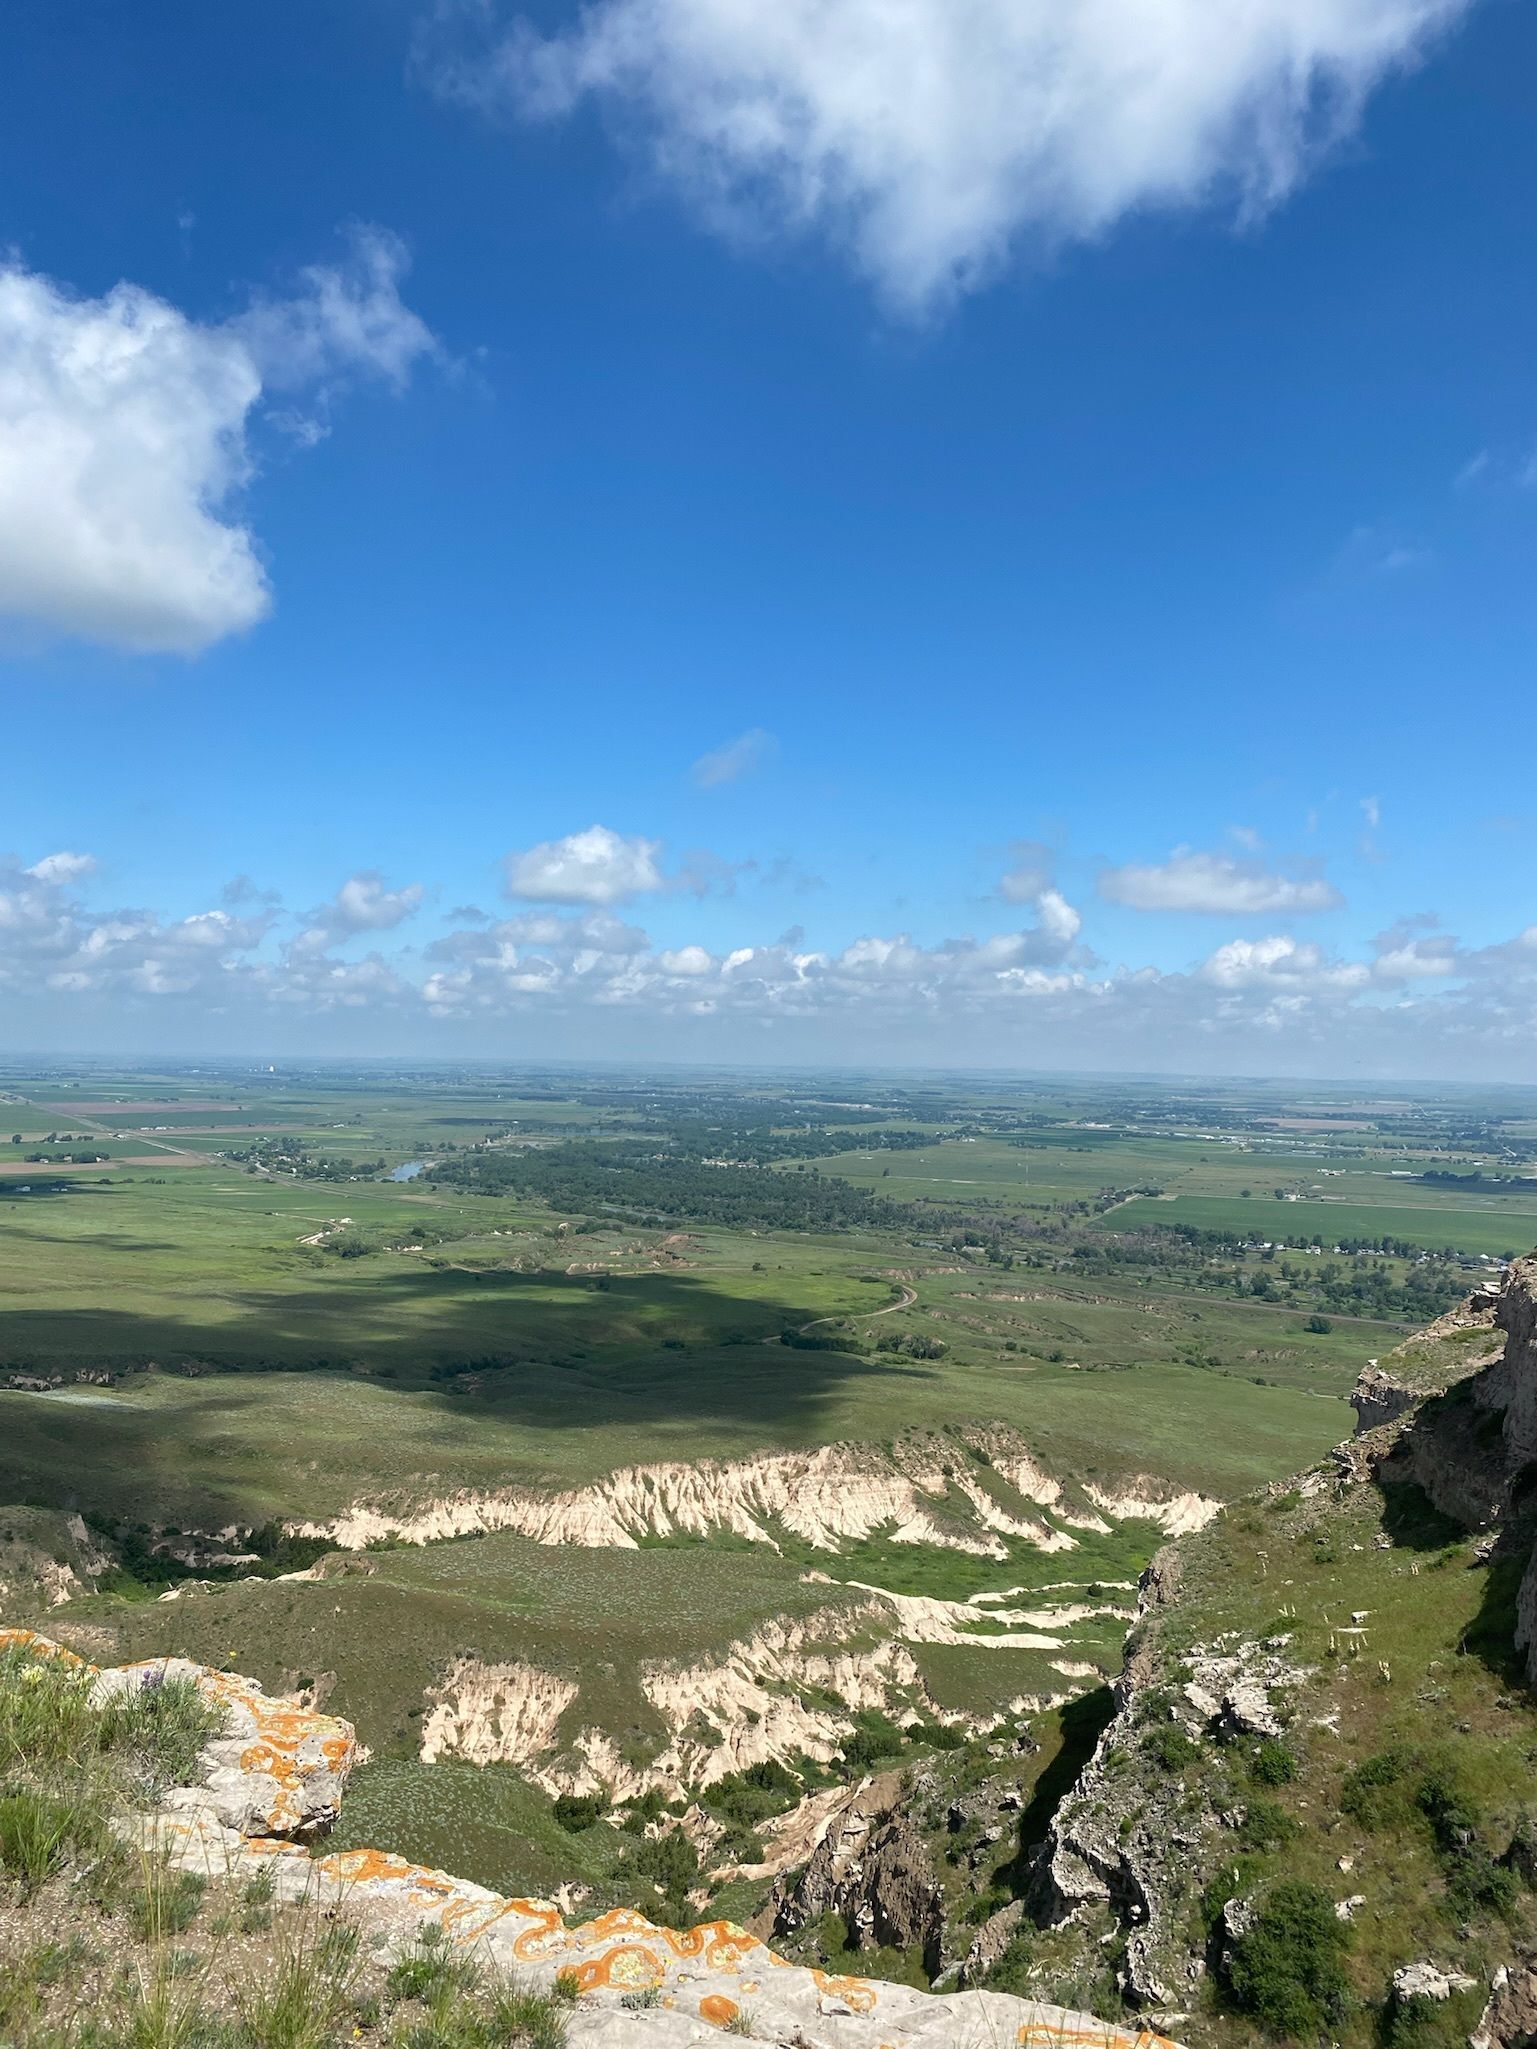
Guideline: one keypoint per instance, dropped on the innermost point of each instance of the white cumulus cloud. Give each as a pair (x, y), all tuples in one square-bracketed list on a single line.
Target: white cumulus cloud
[(362, 904), (928, 136), (1281, 963), (597, 866), (1218, 883), (123, 442), (1415, 1002), (63, 867)]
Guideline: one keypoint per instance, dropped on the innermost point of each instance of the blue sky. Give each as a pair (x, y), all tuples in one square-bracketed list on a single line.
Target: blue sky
[(1076, 492)]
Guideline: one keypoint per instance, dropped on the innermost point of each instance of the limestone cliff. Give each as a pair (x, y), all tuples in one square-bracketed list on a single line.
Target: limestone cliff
[(873, 1869)]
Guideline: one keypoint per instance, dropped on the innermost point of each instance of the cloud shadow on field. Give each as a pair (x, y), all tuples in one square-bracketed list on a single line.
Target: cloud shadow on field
[(476, 1368)]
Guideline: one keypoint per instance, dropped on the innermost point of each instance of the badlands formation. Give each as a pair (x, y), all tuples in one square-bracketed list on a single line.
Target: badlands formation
[(272, 1781), (918, 1493), (788, 1688)]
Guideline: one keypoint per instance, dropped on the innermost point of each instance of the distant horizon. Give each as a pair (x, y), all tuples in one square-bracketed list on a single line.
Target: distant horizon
[(32, 1063)]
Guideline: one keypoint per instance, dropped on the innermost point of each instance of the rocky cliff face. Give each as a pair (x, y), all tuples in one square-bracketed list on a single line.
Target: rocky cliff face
[(1276, 1628), (873, 1869), (1469, 1437)]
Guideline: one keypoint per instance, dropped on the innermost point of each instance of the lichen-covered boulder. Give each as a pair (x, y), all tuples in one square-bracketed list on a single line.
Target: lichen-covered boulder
[(274, 1768)]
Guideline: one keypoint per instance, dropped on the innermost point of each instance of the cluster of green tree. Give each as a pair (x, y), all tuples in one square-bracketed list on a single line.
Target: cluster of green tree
[(291, 1156), (630, 1178), (760, 1145), (1445, 1178), (1223, 1262), (911, 1342)]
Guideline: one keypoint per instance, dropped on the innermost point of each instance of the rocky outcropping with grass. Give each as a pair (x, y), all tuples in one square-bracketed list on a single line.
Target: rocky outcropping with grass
[(271, 1776), (1322, 1753)]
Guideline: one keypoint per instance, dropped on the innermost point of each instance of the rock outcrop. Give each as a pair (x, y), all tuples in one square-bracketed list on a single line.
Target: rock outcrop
[(1466, 1431), (704, 1981), (1452, 1412), (274, 1769), (872, 1869), (1106, 1844)]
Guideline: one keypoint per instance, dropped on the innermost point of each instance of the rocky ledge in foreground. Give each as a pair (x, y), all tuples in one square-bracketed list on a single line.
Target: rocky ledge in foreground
[(275, 1775)]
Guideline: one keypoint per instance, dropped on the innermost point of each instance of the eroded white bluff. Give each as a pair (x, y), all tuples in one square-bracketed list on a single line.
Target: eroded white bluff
[(278, 1770)]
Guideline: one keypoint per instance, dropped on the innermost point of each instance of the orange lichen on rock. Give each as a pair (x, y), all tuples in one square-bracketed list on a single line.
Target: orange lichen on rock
[(721, 1944), (39, 1646), (631, 1966), (858, 1994), (275, 1768)]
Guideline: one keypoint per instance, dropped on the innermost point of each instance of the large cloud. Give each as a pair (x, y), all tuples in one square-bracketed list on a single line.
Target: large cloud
[(931, 134), (123, 442), (1215, 883), (598, 866), (362, 904)]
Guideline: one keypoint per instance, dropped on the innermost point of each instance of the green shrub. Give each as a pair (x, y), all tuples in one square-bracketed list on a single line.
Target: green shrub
[(1272, 1764), (753, 1795), (1376, 1792), (430, 1968), (1170, 1747), (649, 1807), (1231, 1882), (936, 1735), (577, 1811), (739, 1845), (1431, 2023), (1267, 1826), (875, 1736), (1288, 1969), (669, 1862)]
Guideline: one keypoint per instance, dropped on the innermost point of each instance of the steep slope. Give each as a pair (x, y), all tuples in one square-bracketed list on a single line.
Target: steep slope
[(1316, 1806)]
